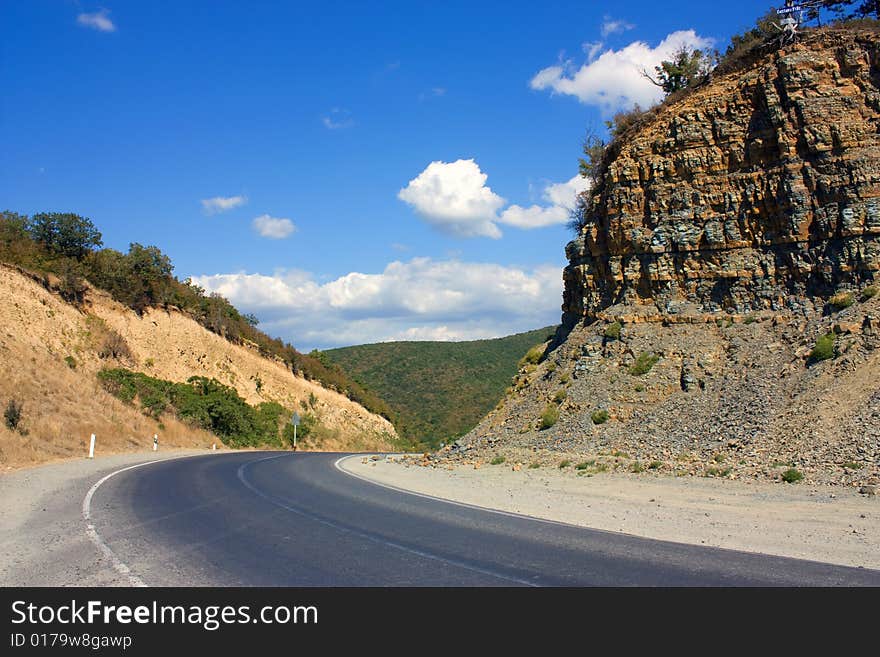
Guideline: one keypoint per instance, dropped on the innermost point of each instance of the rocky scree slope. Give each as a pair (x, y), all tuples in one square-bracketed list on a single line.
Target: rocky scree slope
[(728, 234)]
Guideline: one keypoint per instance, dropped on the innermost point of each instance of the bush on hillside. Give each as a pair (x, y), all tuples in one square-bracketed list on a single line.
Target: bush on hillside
[(12, 415)]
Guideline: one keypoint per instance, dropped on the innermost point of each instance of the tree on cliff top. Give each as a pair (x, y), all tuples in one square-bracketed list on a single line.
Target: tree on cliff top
[(862, 8), (686, 68)]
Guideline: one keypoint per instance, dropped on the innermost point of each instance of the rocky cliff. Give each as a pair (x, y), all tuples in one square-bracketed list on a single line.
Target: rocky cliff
[(720, 307), (760, 190)]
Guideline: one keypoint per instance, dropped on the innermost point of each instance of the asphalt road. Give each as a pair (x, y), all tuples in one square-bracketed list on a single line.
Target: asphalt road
[(266, 519)]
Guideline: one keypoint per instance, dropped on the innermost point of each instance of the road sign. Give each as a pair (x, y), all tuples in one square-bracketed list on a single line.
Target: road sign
[(294, 420)]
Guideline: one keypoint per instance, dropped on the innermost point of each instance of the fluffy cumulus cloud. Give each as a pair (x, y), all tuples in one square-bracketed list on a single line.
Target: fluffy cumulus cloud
[(218, 204), (614, 80), (98, 20), (560, 200), (422, 299), (275, 228), (454, 197)]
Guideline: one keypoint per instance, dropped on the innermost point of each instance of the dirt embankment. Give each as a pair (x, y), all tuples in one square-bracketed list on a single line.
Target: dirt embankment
[(50, 352)]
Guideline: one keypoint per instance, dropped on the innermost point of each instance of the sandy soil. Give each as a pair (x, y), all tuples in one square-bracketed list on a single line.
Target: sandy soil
[(818, 523)]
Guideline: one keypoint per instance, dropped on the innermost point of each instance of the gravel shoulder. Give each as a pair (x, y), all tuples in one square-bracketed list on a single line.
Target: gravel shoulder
[(43, 541), (818, 523)]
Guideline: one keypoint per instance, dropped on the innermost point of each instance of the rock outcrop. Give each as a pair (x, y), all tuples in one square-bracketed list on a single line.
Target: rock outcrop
[(721, 303), (760, 190)]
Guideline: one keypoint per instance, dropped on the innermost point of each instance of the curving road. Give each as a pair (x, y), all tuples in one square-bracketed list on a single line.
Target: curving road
[(270, 519)]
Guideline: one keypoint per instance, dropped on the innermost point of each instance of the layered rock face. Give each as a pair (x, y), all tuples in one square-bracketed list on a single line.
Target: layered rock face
[(759, 191)]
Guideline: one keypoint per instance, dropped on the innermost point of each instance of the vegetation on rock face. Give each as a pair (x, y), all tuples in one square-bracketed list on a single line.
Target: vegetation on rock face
[(437, 391), (841, 301), (612, 331), (643, 364), (824, 349), (549, 417), (69, 246), (599, 416)]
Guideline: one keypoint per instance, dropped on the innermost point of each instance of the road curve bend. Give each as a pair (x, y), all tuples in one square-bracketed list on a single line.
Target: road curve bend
[(285, 519)]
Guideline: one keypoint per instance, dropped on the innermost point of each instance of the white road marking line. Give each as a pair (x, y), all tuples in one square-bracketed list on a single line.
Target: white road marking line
[(92, 533)]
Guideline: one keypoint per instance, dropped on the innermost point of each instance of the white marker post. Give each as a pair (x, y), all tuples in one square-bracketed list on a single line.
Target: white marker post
[(155, 442), (295, 422), (92, 447)]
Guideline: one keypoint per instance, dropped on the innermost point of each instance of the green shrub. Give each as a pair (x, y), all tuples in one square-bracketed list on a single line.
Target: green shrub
[(841, 301), (637, 467), (565, 378), (640, 388), (550, 416), (599, 416), (204, 403), (643, 364), (534, 466), (717, 472), (71, 362), (612, 331), (564, 464), (585, 465), (852, 465), (12, 415), (870, 292), (791, 476), (751, 319), (498, 460), (560, 396), (655, 465), (533, 356), (824, 349)]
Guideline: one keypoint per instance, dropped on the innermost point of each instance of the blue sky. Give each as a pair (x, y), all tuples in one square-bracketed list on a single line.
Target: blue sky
[(350, 172)]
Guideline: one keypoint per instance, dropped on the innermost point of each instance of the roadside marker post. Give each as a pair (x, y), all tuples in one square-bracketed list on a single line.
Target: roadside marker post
[(92, 447), (294, 420), (155, 442)]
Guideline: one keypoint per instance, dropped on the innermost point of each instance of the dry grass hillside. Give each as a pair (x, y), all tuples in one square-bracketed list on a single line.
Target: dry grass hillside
[(50, 352)]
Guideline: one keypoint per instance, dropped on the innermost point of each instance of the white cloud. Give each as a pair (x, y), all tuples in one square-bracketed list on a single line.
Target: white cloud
[(337, 119), (611, 26), (454, 197), (613, 81), (97, 21), (534, 216), (565, 194), (273, 227), (561, 198), (416, 300), (222, 203)]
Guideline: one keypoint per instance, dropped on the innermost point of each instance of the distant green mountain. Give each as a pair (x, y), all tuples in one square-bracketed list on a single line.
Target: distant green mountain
[(437, 391)]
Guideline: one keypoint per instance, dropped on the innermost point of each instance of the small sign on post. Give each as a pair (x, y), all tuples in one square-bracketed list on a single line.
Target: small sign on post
[(155, 442), (92, 447), (294, 420)]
